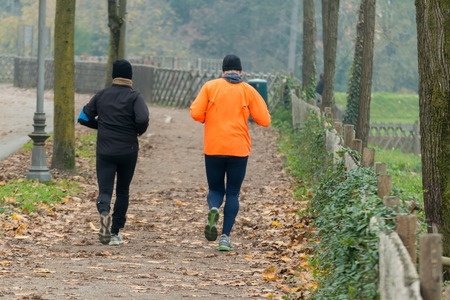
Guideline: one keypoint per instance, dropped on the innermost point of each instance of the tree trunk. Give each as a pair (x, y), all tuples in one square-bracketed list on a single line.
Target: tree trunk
[(63, 121), (330, 16), (117, 27), (293, 37), (352, 111), (433, 36), (365, 85), (309, 49)]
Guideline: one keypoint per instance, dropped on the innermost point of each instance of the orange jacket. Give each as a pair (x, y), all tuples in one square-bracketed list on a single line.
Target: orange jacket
[(224, 107)]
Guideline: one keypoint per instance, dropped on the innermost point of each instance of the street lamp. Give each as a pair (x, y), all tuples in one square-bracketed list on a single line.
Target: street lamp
[(38, 169)]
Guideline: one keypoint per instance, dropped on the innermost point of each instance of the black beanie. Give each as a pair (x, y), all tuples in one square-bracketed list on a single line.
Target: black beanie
[(231, 62), (122, 68)]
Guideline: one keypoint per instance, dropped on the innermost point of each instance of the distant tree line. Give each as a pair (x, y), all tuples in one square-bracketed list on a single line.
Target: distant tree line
[(256, 30)]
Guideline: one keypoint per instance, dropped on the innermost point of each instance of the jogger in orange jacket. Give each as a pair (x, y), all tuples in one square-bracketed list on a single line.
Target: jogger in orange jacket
[(224, 106)]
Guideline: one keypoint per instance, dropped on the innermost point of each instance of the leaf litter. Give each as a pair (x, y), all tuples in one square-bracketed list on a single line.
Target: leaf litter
[(165, 252)]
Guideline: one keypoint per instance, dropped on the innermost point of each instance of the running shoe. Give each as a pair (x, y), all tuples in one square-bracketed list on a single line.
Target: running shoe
[(116, 239), (211, 225), (104, 233), (224, 243)]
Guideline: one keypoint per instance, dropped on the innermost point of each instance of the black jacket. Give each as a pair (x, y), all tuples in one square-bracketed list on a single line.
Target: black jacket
[(122, 115)]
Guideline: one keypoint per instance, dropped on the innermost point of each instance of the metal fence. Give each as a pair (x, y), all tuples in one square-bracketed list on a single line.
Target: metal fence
[(7, 68)]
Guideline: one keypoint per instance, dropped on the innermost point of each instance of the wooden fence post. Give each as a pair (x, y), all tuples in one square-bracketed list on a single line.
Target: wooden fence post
[(430, 266), (368, 157), (406, 229), (349, 134), (356, 145), (337, 124), (384, 185), (392, 202), (380, 168)]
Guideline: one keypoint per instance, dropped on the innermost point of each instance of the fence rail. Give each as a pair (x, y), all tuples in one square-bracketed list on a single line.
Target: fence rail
[(404, 137)]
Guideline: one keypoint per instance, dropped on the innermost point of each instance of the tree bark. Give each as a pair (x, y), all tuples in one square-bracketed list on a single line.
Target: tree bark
[(330, 16), (365, 85), (433, 36), (64, 87), (309, 49), (293, 37), (352, 111), (117, 27)]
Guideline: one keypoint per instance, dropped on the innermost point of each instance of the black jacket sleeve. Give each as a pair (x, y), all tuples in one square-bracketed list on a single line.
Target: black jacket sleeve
[(141, 114), (90, 112)]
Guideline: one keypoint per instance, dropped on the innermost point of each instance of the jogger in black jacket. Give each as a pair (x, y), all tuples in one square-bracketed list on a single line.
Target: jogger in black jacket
[(120, 114)]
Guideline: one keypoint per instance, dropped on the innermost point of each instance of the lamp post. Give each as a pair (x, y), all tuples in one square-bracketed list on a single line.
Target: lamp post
[(39, 169)]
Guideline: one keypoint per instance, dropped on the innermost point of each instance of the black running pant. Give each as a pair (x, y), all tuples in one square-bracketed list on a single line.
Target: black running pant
[(107, 168)]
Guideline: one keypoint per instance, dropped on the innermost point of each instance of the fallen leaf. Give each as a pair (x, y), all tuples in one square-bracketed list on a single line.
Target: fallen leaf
[(270, 273), (43, 271), (91, 225)]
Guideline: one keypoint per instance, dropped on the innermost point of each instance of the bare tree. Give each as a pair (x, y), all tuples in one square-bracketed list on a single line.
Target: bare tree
[(330, 16), (64, 87), (365, 84), (309, 48), (117, 28), (433, 38)]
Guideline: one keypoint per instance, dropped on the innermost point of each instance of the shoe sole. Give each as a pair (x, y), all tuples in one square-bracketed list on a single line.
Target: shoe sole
[(115, 243), (104, 234), (211, 228), (225, 248)]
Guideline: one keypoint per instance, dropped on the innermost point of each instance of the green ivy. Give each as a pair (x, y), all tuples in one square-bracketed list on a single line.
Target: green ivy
[(346, 254), (310, 91), (352, 111), (304, 149)]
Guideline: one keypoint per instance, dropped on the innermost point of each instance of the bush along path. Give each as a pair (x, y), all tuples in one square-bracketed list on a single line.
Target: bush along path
[(50, 249)]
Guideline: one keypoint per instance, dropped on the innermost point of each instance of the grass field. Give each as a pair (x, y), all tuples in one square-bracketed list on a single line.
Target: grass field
[(389, 107)]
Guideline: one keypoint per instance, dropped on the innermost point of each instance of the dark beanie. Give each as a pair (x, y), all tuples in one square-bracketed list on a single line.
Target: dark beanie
[(122, 68), (231, 62)]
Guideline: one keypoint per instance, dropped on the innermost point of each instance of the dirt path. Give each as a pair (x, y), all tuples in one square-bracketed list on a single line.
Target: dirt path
[(165, 255)]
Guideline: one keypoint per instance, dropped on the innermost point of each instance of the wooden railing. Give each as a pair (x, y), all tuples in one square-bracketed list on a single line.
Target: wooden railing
[(179, 87), (404, 137)]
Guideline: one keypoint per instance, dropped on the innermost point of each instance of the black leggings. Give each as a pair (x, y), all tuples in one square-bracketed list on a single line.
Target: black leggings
[(107, 167)]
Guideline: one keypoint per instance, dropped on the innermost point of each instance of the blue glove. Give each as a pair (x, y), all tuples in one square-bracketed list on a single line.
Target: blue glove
[(82, 116)]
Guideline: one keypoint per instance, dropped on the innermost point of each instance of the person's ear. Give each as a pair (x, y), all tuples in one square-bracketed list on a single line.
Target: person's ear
[(239, 73)]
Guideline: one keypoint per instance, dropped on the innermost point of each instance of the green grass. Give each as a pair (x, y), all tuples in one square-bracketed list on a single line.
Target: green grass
[(406, 171), (25, 196), (28, 195), (86, 145), (389, 107)]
